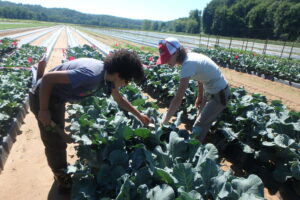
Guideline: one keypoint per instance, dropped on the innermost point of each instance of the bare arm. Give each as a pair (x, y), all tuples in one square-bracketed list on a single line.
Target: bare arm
[(200, 94), (176, 101), (200, 88), (126, 105), (49, 80)]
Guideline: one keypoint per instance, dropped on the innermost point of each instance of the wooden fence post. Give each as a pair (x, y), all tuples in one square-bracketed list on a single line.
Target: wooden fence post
[(200, 40), (230, 42), (252, 45), (246, 45), (282, 49), (265, 47), (243, 45), (291, 50), (208, 41)]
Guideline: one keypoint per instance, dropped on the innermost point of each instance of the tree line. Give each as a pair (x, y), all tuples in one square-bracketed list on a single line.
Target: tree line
[(63, 15), (191, 24), (264, 19)]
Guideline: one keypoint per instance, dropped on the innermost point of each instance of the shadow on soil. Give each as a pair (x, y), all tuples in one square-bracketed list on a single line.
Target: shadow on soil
[(54, 194)]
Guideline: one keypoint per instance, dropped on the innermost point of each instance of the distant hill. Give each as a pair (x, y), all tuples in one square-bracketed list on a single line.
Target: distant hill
[(36, 12)]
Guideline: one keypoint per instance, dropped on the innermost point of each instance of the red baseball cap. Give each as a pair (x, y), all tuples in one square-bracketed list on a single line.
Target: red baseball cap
[(167, 48)]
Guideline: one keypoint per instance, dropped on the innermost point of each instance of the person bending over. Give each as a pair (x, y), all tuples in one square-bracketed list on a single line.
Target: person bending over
[(213, 89), (73, 81)]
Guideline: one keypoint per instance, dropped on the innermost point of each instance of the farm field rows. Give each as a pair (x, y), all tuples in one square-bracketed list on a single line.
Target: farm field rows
[(17, 24), (289, 96), (150, 38)]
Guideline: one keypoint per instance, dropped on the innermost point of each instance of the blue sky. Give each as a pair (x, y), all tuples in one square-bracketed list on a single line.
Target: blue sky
[(162, 10)]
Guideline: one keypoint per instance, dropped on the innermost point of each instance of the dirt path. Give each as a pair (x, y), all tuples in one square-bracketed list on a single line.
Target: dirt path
[(43, 38), (26, 175), (80, 39), (112, 42), (290, 96)]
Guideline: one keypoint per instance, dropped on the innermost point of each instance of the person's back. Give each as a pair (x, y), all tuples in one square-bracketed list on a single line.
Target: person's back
[(86, 75), (201, 68)]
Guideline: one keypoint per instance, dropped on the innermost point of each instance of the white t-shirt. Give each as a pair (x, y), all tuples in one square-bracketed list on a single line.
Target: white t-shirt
[(201, 68)]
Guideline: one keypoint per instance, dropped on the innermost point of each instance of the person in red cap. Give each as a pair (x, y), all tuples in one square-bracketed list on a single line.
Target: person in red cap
[(213, 89)]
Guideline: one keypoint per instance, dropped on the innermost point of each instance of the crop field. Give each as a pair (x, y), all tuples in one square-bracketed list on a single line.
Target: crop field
[(192, 41), (13, 24), (252, 151)]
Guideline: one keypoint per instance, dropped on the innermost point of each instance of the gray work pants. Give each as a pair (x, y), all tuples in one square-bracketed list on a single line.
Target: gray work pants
[(212, 105)]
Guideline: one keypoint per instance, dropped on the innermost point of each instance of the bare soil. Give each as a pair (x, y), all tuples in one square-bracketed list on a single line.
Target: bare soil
[(80, 39), (112, 42), (290, 96), (41, 39)]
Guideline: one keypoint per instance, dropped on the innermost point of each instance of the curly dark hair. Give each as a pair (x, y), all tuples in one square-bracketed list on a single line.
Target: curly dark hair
[(126, 63)]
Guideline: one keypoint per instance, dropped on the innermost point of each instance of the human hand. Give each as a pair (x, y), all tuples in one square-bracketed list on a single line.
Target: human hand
[(144, 119), (198, 102), (163, 123), (164, 120), (44, 117)]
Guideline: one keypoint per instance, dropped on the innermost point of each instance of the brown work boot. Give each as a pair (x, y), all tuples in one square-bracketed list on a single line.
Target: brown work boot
[(63, 181)]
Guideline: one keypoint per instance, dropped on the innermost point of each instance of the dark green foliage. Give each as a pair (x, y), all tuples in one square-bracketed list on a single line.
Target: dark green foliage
[(6, 46), (119, 158), (267, 133), (265, 19), (85, 51), (25, 56), (14, 82)]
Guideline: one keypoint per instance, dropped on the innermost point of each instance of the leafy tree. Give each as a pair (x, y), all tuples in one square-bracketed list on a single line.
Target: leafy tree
[(155, 26), (192, 26), (195, 15), (163, 26), (287, 21), (256, 21), (179, 25), (146, 25), (273, 19)]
